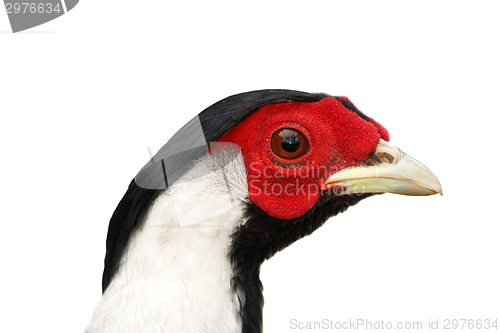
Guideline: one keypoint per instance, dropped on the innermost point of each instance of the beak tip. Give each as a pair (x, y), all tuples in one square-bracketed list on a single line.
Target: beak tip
[(438, 187)]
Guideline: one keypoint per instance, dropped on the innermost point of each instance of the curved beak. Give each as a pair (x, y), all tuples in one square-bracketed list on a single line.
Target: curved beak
[(397, 173)]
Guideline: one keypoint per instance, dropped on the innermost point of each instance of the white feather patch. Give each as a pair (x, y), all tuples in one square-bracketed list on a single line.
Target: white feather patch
[(219, 178), (175, 273)]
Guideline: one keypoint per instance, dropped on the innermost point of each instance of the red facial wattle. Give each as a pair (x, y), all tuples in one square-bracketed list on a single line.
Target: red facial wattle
[(337, 138)]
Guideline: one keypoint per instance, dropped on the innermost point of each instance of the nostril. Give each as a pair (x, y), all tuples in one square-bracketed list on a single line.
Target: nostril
[(386, 158), (388, 153)]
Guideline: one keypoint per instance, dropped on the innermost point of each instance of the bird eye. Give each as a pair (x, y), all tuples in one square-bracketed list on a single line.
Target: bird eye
[(289, 144)]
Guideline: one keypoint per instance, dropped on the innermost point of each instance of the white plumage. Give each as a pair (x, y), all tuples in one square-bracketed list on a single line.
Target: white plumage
[(175, 278)]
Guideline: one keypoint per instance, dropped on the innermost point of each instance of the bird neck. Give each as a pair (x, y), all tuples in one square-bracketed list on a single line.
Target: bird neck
[(175, 278), (262, 236)]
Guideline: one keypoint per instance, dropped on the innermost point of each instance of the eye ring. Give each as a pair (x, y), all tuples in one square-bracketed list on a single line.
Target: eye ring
[(289, 144)]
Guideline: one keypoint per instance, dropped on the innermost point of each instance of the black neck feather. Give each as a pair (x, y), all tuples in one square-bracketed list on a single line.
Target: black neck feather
[(260, 237)]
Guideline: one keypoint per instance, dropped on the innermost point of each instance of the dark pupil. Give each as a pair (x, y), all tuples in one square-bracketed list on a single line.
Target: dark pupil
[(290, 143)]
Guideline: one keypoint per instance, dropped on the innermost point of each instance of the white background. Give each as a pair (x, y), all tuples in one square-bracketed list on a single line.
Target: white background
[(83, 96)]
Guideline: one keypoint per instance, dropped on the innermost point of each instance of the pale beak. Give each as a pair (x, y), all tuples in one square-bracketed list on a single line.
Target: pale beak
[(397, 173)]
